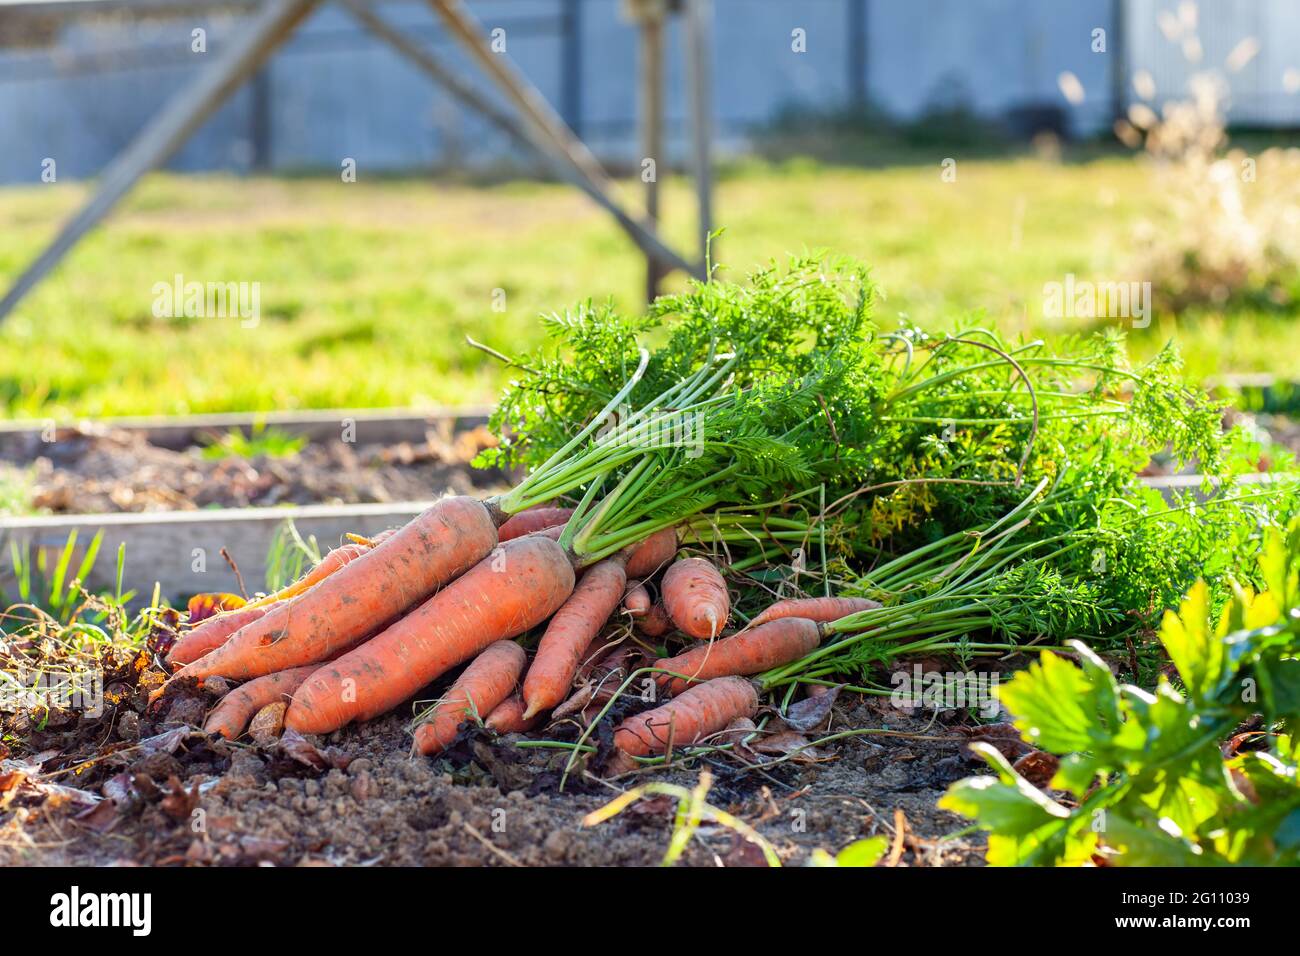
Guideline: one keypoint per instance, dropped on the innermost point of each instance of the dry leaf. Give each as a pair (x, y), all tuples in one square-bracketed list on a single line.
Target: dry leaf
[(102, 817), (204, 606), (786, 743), (1038, 767), (179, 803), (811, 712)]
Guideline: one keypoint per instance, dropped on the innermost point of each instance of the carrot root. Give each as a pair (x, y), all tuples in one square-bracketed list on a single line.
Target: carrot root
[(518, 586), (233, 712), (532, 520), (487, 682), (636, 602), (652, 554), (507, 717), (655, 623), (749, 652), (436, 547), (823, 609), (211, 634), (701, 710), (569, 634), (695, 597)]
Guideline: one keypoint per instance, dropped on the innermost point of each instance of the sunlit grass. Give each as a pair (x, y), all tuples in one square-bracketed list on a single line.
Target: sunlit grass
[(368, 289)]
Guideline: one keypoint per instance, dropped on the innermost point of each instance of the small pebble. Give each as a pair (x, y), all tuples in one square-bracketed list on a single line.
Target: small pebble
[(128, 726), (267, 724)]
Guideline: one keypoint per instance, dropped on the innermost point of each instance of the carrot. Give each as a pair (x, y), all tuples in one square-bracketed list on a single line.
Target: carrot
[(233, 712), (327, 565), (749, 652), (507, 717), (214, 631), (656, 622), (534, 519), (636, 601), (652, 553), (695, 597), (821, 609), (371, 541), (211, 634), (570, 632), (700, 711), (487, 681), (434, 548), (520, 585)]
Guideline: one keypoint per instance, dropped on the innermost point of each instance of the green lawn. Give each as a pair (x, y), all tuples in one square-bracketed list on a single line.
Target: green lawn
[(368, 289)]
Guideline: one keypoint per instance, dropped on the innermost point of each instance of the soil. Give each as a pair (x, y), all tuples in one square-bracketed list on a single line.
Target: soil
[(115, 470), (136, 789)]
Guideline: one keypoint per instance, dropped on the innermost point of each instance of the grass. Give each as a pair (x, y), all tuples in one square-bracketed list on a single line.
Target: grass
[(48, 582), (368, 289), (272, 442), (17, 487)]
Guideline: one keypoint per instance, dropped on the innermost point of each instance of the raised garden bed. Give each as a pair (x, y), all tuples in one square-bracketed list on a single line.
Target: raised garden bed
[(237, 461)]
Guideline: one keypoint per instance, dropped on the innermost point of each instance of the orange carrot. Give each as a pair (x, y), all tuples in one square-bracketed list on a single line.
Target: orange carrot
[(570, 632), (821, 609), (210, 634), (652, 553), (636, 601), (700, 711), (434, 548), (534, 519), (214, 631), (749, 652), (487, 681), (327, 565), (656, 622), (233, 712), (507, 717), (518, 586), (695, 597)]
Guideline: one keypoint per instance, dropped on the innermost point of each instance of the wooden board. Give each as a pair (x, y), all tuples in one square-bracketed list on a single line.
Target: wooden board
[(182, 550), (383, 426)]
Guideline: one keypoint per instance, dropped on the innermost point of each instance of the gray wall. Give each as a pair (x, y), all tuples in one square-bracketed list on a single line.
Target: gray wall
[(333, 91)]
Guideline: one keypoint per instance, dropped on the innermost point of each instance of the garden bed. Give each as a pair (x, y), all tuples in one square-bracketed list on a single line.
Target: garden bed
[(360, 798), (187, 464)]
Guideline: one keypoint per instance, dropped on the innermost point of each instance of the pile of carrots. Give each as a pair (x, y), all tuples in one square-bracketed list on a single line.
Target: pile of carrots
[(379, 620)]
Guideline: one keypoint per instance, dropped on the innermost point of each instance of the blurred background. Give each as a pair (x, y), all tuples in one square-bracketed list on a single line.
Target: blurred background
[(974, 153)]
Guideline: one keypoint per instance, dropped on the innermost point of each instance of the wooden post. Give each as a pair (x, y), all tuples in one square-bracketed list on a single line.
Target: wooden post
[(260, 121), (650, 16), (548, 132), (526, 98), (571, 64), (699, 71), (1117, 49), (167, 131)]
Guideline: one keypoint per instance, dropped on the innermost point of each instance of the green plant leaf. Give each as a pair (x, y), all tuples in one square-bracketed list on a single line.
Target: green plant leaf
[(1192, 645), (866, 852), (1052, 701)]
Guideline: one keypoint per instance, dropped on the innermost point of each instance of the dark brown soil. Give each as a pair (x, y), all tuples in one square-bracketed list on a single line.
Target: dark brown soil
[(359, 798), (100, 471)]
